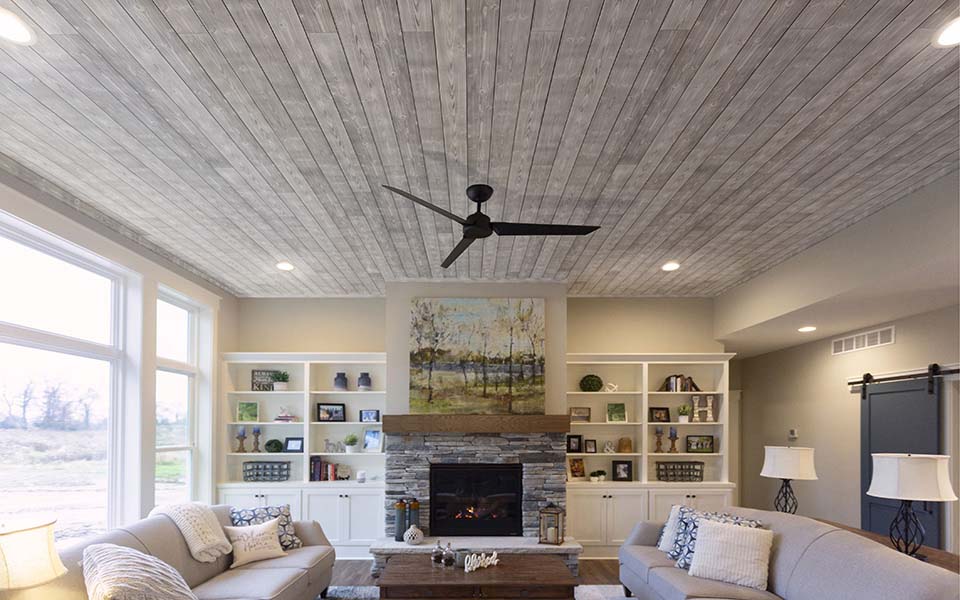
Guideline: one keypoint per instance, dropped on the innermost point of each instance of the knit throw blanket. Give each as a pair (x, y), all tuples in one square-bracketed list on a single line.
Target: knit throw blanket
[(200, 528)]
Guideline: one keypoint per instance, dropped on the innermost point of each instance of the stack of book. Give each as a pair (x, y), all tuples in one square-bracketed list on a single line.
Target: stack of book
[(679, 383), (320, 470), (286, 419)]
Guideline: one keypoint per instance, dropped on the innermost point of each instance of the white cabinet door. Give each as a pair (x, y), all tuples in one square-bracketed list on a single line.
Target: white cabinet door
[(241, 498), (586, 516), (325, 507), (624, 510), (279, 498), (662, 500), (711, 500), (364, 517)]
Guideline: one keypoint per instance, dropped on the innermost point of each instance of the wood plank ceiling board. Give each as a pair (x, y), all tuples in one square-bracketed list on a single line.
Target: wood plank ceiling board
[(226, 135)]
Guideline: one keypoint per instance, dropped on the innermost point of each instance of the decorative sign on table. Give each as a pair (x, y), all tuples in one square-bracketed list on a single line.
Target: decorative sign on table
[(477, 356)]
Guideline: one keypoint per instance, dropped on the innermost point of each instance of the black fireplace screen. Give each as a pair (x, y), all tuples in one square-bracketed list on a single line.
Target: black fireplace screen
[(476, 499)]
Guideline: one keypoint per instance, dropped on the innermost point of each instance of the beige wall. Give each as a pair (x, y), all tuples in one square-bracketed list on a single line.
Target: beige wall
[(804, 387), (308, 325), (640, 325)]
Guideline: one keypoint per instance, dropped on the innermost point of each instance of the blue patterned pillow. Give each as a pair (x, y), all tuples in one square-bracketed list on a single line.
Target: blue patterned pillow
[(244, 517), (687, 525)]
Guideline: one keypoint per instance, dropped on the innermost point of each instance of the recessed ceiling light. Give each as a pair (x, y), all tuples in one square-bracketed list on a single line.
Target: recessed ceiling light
[(807, 329), (12, 28), (284, 266), (949, 35), (670, 266)]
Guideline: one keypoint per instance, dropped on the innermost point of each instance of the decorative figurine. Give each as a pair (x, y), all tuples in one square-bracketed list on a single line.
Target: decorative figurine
[(658, 431), (609, 448), (698, 408), (480, 561), (256, 438), (611, 387), (673, 440), (241, 438), (625, 445)]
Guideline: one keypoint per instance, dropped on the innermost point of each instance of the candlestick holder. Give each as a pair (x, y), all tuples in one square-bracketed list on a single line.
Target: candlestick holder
[(241, 439), (256, 441), (673, 443), (659, 447)]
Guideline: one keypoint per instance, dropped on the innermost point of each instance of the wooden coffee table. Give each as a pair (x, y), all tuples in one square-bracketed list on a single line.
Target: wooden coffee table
[(517, 576)]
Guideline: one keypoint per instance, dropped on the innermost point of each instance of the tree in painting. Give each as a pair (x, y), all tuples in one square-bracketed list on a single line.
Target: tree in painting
[(477, 355)]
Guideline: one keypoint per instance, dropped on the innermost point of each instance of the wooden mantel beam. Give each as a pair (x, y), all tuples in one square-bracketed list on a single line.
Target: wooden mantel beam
[(476, 423)]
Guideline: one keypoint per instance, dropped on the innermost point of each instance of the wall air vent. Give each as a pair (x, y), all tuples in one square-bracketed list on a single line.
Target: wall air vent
[(864, 340)]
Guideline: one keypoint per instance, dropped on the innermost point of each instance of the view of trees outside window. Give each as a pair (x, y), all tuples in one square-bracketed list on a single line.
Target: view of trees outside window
[(54, 434), (172, 481)]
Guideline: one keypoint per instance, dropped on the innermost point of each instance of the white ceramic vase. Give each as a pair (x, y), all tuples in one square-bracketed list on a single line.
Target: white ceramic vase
[(683, 418), (413, 536), (280, 386)]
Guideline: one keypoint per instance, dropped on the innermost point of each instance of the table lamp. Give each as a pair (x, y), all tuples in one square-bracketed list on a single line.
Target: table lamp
[(28, 557), (786, 464), (909, 478)]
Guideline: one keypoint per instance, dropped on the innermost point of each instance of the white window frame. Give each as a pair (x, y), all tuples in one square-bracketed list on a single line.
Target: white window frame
[(192, 370), (113, 353)]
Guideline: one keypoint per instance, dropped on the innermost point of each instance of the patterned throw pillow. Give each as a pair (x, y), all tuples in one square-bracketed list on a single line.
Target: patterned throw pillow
[(113, 572), (244, 517), (687, 525), (668, 534)]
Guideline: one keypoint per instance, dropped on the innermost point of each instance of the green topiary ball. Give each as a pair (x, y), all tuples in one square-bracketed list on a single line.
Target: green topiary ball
[(591, 383), (273, 446)]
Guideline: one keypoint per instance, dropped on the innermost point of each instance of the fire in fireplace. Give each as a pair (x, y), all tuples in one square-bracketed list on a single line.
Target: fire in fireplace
[(476, 499)]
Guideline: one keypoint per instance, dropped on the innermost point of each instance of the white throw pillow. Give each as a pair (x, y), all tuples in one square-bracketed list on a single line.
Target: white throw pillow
[(254, 542), (732, 553), (113, 572), (669, 533)]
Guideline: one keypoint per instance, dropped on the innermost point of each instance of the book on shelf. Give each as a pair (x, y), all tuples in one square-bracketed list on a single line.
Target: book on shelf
[(679, 383), (321, 470)]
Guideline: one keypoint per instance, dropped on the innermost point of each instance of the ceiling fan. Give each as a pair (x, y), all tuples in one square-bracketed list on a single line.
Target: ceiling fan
[(478, 225)]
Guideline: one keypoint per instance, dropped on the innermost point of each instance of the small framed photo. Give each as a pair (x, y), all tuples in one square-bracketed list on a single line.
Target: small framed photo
[(659, 414), (248, 411), (261, 380), (372, 440), (293, 444), (623, 470), (331, 412), (700, 443), (577, 469), (370, 416), (590, 446), (579, 414), (616, 412), (574, 443)]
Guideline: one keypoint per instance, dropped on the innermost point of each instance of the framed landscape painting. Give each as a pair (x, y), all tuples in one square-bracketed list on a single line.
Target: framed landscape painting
[(477, 356)]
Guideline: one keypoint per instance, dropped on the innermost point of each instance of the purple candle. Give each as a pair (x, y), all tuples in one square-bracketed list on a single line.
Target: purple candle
[(673, 432), (256, 430)]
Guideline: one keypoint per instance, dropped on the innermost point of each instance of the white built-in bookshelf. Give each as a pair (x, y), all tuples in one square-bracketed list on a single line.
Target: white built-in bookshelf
[(638, 378), (311, 382)]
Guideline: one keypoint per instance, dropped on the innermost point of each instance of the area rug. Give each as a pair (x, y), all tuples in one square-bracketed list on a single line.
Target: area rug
[(371, 592)]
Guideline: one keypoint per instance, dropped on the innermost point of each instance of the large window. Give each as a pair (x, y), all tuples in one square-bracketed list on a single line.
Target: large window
[(176, 401), (59, 359)]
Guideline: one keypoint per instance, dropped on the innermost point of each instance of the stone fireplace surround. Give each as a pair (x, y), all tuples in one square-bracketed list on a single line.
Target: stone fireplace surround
[(409, 455)]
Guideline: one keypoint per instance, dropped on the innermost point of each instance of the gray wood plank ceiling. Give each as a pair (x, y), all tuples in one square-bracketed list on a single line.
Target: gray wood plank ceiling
[(726, 135)]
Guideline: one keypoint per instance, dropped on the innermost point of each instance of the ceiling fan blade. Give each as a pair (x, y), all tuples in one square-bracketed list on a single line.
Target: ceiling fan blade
[(542, 229), (426, 204), (456, 252)]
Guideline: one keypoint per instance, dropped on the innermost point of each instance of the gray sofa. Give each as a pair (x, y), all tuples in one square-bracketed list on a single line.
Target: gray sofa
[(810, 561), (303, 574)]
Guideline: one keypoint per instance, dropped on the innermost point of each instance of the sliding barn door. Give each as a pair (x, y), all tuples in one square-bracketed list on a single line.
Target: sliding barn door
[(900, 417)]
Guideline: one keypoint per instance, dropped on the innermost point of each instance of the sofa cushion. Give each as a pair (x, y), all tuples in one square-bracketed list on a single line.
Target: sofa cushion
[(114, 572), (640, 559), (254, 542), (161, 538), (672, 583), (255, 584), (687, 525), (733, 554), (315, 560), (242, 517)]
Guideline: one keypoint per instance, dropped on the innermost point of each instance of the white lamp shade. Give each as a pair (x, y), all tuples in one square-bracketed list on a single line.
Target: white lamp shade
[(922, 477), (28, 556), (783, 462)]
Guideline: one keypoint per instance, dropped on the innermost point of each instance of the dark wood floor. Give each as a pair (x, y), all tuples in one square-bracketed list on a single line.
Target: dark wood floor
[(357, 572)]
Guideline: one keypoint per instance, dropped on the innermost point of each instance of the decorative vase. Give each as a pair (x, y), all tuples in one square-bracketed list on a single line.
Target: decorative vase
[(280, 386), (603, 478), (340, 382), (413, 536), (351, 449), (364, 384), (683, 418), (594, 479)]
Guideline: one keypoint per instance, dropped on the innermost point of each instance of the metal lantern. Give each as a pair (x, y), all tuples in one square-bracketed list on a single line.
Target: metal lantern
[(551, 524)]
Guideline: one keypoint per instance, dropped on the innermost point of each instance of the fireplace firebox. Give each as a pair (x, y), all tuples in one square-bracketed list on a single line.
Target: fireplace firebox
[(476, 499)]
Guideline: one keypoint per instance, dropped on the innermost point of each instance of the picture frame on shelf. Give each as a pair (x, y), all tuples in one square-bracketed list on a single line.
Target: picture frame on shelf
[(700, 443), (261, 380), (577, 470), (369, 416), (372, 440), (331, 412), (293, 445), (248, 411), (623, 470), (659, 414), (590, 446), (616, 412), (574, 444), (579, 414)]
